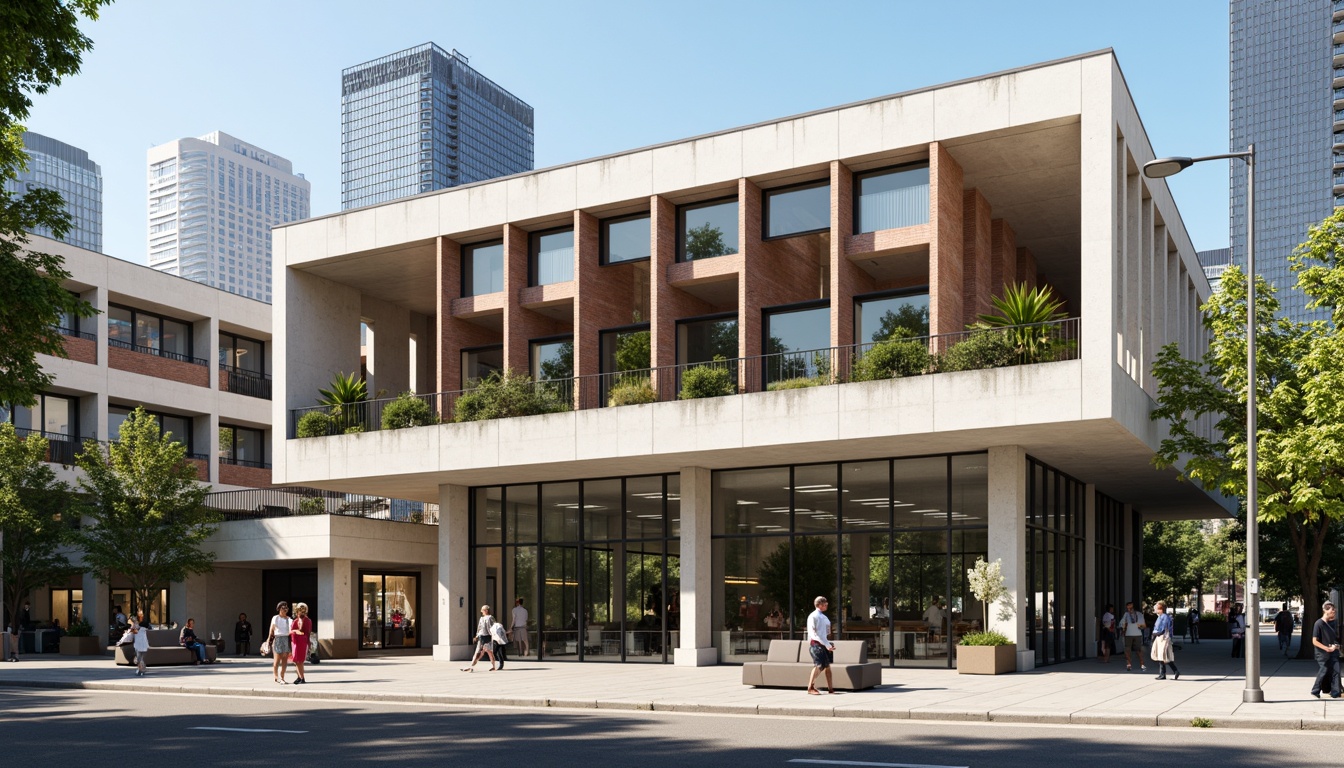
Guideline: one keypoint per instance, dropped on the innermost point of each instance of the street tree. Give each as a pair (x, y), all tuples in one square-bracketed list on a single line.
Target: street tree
[(33, 518), (40, 44), (145, 516), (1300, 416)]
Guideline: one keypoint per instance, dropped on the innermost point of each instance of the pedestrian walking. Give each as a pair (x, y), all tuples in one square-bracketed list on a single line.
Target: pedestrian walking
[(518, 626), (820, 645), (1325, 639), (140, 642), (300, 633), (1163, 650), (1192, 624), (484, 642), (278, 640), (1236, 625), (1107, 633), (242, 635), (1131, 626), (500, 638), (1283, 626)]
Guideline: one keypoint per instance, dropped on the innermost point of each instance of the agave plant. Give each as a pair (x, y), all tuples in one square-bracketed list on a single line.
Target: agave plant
[(343, 396), (1026, 313)]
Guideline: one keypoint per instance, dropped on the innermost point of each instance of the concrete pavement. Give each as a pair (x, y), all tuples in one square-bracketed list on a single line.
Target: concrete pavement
[(1079, 692)]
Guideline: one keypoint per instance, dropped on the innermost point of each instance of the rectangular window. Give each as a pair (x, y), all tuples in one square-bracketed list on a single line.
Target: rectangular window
[(797, 341), (478, 364), (176, 338), (149, 333), (482, 269), (553, 359), (707, 230), (120, 327), (551, 257), (626, 239), (702, 340), (879, 318), (242, 353), (179, 426), (242, 446), (891, 198), (797, 210)]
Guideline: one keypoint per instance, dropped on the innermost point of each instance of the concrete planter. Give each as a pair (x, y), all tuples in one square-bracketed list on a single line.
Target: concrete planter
[(986, 659), (82, 646)]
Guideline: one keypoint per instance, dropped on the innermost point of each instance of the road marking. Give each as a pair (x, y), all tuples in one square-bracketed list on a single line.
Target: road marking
[(876, 765), (242, 730)]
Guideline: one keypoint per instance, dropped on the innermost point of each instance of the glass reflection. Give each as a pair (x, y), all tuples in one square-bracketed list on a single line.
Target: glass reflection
[(626, 239), (798, 210), (708, 230)]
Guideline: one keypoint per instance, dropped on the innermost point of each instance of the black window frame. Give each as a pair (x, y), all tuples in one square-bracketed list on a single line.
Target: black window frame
[(232, 366), (41, 407), (233, 445), (461, 367), (604, 241), (681, 225), (859, 177), (891, 293), (766, 194), (190, 442), (676, 338), (466, 253), (531, 349), (189, 357), (533, 250)]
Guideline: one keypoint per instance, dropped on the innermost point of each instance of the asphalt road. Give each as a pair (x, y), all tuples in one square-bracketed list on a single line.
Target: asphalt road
[(51, 727)]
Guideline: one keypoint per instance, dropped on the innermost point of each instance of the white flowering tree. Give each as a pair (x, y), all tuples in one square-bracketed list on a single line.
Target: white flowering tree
[(986, 582)]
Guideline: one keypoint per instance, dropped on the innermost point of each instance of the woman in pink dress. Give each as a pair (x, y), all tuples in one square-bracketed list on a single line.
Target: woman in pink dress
[(300, 631)]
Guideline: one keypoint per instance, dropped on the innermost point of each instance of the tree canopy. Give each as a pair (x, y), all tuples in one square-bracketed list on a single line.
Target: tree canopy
[(33, 522)]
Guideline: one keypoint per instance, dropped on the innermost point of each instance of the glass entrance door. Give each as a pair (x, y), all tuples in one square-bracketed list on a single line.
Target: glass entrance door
[(390, 605)]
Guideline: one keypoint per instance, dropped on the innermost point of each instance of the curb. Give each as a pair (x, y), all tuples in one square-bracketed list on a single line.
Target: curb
[(845, 712)]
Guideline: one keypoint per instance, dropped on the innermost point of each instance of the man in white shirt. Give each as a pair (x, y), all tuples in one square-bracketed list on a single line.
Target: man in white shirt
[(820, 645), (934, 617), (518, 627), (1131, 624)]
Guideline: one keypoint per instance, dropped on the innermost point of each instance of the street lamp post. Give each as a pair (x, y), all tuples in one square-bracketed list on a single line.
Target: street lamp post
[(1170, 166)]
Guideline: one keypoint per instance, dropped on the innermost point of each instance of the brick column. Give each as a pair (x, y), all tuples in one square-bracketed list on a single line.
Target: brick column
[(846, 277), (1026, 267), (1004, 260), (945, 252), (751, 291), (977, 244), (516, 335)]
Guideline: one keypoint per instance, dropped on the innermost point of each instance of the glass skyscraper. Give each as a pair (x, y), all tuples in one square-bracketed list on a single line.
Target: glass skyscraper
[(422, 119), (56, 165), (1287, 97)]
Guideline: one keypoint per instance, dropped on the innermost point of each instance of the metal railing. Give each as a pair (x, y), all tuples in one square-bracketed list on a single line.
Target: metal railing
[(159, 352), (245, 382), (243, 462), (267, 503), (76, 334), (977, 349), (61, 448)]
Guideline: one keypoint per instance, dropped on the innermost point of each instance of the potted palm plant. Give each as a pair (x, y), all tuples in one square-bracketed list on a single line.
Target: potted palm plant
[(988, 652)]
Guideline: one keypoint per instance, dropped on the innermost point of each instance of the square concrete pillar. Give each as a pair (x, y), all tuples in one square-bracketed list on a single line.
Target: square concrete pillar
[(97, 604), (455, 622), (1091, 609), (177, 607), (1008, 541), (337, 627), (697, 602)]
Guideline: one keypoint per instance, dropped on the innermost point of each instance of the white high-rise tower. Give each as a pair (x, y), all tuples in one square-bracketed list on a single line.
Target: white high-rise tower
[(212, 202)]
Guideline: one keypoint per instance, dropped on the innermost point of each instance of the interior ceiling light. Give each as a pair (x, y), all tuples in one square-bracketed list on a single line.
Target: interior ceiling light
[(865, 501), (801, 487), (745, 503)]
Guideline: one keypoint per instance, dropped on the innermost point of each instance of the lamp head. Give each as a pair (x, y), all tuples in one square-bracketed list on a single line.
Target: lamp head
[(1163, 167)]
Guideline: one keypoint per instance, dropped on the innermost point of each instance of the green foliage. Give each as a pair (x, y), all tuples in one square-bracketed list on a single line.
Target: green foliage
[(707, 380), (1025, 315), (79, 628), (33, 504), (353, 429), (559, 367), (632, 391), (893, 358), (345, 389), (146, 517), (407, 411), (314, 424), (980, 349), (504, 395), (312, 505), (705, 242), (633, 351), (1201, 722), (1185, 556), (987, 585), (813, 574), (984, 639), (801, 382), (907, 321), (1214, 616)]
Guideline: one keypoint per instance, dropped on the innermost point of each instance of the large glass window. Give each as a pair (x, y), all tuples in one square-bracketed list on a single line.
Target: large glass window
[(702, 340), (626, 239), (390, 610), (242, 446), (553, 359), (1054, 611), (626, 358), (482, 269), (707, 230), (179, 426), (150, 333), (797, 210), (552, 257), (120, 327), (798, 341), (478, 364), (880, 318), (241, 353), (891, 198)]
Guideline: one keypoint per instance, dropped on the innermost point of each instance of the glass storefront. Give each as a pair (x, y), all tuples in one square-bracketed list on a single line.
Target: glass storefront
[(1110, 554), (390, 605), (888, 541), (1055, 604), (596, 564)]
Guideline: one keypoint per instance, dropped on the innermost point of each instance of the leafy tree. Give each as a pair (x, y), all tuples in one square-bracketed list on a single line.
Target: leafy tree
[(1170, 551), (32, 503), (41, 44), (559, 367), (813, 570), (1300, 416), (705, 242), (633, 351), (146, 519), (906, 320)]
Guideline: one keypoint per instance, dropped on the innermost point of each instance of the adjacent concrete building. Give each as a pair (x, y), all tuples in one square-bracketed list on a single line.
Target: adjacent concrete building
[(765, 264), (68, 170), (212, 203)]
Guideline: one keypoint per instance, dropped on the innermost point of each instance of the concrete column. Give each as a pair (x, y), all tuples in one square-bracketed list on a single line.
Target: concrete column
[(97, 604), (1091, 610), (337, 627), (177, 606), (1127, 560), (97, 427), (697, 587), (210, 443), (455, 623), (1008, 541)]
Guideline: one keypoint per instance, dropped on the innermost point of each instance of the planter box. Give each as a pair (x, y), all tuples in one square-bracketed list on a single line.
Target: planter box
[(1213, 630), (986, 659), (82, 646)]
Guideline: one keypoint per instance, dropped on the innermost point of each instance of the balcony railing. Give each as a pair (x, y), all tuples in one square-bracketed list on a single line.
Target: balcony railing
[(965, 350), (160, 352), (248, 383), (76, 334), (265, 503), (61, 448), (244, 462), (1339, 49)]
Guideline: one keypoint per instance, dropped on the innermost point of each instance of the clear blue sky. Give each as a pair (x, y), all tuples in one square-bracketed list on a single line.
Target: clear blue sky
[(609, 76)]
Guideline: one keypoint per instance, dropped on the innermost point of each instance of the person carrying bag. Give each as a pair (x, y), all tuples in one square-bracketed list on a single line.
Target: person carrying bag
[(1162, 649)]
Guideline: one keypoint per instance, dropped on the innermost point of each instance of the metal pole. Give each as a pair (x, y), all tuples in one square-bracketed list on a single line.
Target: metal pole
[(1252, 692)]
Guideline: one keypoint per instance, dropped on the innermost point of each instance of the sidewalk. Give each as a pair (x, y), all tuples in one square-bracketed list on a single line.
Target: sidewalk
[(1079, 692)]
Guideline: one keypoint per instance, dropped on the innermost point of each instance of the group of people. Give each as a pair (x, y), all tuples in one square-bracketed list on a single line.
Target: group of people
[(1130, 630), (492, 640)]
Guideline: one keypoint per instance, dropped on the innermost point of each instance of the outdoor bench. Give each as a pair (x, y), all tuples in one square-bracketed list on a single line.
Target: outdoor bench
[(164, 650), (788, 664)]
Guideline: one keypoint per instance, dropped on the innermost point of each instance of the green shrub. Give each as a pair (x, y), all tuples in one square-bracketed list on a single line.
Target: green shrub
[(314, 424), (1201, 722), (891, 359), (710, 380), (983, 348), (1214, 616), (801, 382), (502, 396), (407, 411), (632, 392), (311, 505), (79, 628), (985, 638)]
